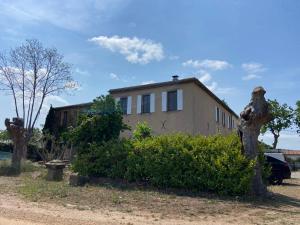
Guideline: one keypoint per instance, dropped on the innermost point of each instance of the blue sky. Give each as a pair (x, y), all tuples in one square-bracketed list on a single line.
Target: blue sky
[(232, 46)]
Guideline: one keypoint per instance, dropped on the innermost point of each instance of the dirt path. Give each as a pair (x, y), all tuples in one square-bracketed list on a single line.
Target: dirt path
[(15, 210)]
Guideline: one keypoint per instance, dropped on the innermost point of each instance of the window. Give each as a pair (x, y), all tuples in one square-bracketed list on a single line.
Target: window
[(230, 122), (223, 119), (172, 100), (146, 103), (217, 114), (123, 104), (65, 118)]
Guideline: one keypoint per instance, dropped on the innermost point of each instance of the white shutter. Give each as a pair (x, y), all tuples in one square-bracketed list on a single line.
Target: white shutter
[(139, 104), (152, 102), (179, 99), (228, 122), (129, 105), (164, 101), (216, 112)]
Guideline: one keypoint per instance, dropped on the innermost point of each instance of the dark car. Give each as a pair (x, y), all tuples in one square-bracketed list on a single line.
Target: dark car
[(280, 169)]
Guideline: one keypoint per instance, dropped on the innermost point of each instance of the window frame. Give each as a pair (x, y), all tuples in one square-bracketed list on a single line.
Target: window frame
[(121, 106), (143, 107), (173, 108)]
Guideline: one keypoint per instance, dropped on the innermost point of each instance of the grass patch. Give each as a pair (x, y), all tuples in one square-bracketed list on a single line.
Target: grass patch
[(26, 167), (43, 189)]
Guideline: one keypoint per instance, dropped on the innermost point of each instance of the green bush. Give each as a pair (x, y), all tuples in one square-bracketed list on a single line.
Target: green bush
[(108, 159), (142, 130), (193, 162), (180, 161)]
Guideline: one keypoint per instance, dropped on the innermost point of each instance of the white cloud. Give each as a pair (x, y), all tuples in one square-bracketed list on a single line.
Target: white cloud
[(68, 14), (82, 72), (207, 64), (116, 77), (72, 86), (135, 50), (224, 91), (213, 86), (251, 77), (204, 76), (148, 82), (252, 69)]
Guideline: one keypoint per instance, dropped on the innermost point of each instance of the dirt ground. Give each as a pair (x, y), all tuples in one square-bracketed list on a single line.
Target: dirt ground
[(24, 203)]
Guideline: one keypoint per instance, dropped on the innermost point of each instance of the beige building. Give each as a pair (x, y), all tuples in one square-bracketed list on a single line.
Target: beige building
[(180, 105)]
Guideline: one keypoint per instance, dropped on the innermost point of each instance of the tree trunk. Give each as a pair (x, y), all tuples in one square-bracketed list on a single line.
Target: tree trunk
[(18, 152), (16, 130), (275, 141), (255, 114), (250, 144)]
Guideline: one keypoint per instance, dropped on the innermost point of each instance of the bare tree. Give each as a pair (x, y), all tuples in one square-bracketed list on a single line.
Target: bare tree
[(30, 73)]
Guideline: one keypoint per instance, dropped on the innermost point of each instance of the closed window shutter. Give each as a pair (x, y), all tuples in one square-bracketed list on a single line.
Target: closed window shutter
[(179, 99), (129, 99), (228, 122), (152, 102), (139, 104), (217, 114), (164, 101)]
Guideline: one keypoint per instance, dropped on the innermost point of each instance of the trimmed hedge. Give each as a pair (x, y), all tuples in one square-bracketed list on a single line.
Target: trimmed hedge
[(174, 161), (182, 161)]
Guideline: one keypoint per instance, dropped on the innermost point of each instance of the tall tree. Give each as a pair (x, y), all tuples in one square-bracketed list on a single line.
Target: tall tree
[(297, 116), (283, 119), (30, 73)]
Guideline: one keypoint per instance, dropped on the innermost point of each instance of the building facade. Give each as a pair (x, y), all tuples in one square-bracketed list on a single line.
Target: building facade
[(184, 105)]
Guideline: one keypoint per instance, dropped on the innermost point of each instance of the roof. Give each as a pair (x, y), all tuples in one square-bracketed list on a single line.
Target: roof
[(168, 83), (82, 105), (290, 152)]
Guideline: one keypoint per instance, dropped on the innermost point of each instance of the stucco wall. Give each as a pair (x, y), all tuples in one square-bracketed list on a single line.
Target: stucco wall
[(197, 116)]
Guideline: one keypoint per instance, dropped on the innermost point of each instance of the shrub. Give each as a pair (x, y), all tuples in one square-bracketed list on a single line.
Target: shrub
[(142, 130), (108, 159), (172, 161), (183, 161)]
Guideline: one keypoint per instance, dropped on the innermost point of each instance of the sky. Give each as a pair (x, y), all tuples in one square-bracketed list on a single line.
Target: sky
[(231, 46)]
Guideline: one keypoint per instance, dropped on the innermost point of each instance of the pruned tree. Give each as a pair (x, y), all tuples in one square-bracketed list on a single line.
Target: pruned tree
[(30, 73), (283, 119), (297, 116)]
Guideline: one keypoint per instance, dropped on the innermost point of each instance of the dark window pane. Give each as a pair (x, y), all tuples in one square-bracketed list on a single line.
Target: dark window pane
[(123, 104), (65, 119), (146, 104), (172, 101)]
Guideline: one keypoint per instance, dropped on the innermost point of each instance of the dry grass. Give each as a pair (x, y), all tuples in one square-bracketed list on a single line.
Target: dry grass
[(282, 208)]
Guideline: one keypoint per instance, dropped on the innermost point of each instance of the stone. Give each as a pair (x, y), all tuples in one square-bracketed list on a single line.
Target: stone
[(55, 170), (77, 180), (254, 115)]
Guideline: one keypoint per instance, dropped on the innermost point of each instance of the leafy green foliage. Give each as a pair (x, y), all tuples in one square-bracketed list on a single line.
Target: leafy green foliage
[(142, 130), (179, 161), (49, 125), (99, 152), (297, 116), (182, 161), (283, 119), (4, 136), (108, 159), (102, 123)]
